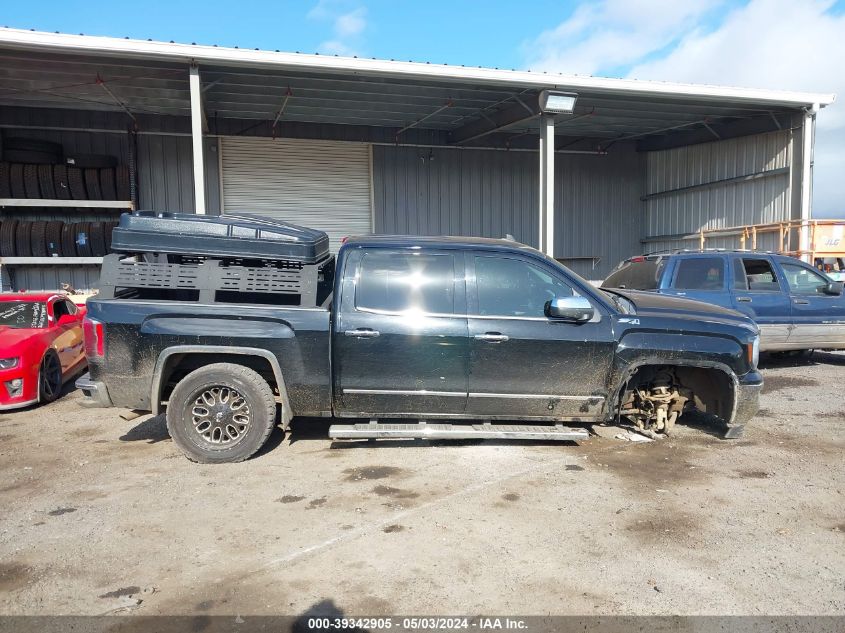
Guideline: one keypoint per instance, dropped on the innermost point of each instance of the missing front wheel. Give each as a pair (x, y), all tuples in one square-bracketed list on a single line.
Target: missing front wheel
[(655, 400)]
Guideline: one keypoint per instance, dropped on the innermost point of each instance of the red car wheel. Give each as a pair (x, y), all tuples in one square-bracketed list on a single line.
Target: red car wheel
[(49, 377)]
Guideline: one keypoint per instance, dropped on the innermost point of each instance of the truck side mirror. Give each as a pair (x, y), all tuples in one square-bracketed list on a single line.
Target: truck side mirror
[(574, 309), (833, 288)]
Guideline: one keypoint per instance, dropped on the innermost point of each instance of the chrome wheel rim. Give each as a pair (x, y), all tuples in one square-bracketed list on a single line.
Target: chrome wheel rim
[(220, 416), (51, 376)]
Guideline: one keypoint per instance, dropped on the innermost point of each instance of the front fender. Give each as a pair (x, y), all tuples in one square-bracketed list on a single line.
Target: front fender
[(640, 349), (675, 348)]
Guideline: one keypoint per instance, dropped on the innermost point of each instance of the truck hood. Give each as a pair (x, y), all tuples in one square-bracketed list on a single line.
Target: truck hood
[(654, 304)]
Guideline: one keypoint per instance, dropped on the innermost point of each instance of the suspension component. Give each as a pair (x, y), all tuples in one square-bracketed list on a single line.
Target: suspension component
[(656, 402)]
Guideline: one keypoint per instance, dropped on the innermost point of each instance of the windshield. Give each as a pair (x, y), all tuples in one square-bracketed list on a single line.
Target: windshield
[(23, 314), (637, 274)]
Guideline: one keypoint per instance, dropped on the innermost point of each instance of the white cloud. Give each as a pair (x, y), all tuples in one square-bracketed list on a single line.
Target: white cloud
[(775, 44), (348, 24), (603, 35), (782, 44), (336, 47), (352, 23)]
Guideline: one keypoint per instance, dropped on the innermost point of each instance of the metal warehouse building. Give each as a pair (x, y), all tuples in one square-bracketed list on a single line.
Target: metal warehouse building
[(590, 170)]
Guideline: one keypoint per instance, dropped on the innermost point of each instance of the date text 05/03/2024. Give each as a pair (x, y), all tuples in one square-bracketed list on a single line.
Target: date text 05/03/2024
[(418, 623)]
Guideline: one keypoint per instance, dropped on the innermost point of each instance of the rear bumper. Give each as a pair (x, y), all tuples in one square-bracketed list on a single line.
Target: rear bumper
[(747, 404), (95, 393)]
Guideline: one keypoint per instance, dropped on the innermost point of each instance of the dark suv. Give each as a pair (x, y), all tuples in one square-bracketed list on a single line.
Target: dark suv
[(796, 306)]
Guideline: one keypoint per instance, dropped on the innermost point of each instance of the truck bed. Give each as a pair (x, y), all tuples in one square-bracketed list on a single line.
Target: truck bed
[(139, 333)]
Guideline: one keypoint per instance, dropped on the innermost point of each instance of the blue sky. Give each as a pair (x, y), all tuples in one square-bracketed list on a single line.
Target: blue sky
[(786, 44), (496, 33)]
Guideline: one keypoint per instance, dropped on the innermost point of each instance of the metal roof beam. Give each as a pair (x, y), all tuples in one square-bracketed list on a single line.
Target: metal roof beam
[(425, 117), (424, 105), (733, 129), (346, 84), (115, 98), (83, 79), (495, 122)]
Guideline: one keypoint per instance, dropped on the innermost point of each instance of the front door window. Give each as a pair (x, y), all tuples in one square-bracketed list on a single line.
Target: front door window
[(514, 288), (804, 281)]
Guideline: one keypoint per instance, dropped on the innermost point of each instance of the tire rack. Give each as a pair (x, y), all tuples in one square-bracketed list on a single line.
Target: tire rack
[(8, 262)]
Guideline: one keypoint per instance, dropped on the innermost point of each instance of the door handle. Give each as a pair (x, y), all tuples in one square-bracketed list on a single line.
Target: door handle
[(801, 302), (362, 333), (491, 337), (744, 299)]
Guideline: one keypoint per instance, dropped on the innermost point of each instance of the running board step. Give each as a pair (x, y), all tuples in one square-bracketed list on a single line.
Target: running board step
[(457, 432)]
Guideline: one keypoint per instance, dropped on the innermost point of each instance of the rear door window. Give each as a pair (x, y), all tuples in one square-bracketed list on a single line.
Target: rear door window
[(637, 274), (406, 282), (700, 273), (759, 276), (740, 280)]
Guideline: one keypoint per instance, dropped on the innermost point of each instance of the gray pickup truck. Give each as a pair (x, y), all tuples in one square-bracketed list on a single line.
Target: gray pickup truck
[(452, 337)]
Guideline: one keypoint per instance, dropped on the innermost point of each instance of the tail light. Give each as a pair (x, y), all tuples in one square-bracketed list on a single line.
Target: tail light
[(94, 335)]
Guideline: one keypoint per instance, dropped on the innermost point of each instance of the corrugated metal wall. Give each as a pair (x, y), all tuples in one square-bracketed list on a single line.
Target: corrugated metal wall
[(166, 173), (491, 193), (51, 277), (420, 191), (598, 211), (727, 205)]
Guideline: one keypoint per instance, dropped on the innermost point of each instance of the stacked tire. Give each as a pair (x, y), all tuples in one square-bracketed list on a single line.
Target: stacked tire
[(37, 169), (54, 238)]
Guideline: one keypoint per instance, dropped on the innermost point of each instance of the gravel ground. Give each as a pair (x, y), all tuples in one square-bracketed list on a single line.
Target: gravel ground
[(97, 514)]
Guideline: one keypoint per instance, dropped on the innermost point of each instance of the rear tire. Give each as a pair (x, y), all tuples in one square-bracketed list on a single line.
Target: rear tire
[(221, 413)]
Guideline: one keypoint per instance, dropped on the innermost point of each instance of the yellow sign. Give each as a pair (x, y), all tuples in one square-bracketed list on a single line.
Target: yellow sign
[(829, 239)]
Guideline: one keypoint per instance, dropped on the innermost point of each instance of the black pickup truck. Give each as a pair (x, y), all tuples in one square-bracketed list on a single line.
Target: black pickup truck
[(412, 337)]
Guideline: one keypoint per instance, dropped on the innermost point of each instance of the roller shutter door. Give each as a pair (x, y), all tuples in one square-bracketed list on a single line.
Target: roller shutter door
[(319, 184)]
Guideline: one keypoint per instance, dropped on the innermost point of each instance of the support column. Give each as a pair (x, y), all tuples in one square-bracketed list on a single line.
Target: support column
[(196, 137), (808, 137), (547, 186)]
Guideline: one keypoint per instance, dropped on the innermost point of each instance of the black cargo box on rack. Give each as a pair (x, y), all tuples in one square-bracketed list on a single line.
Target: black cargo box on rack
[(240, 236), (217, 259)]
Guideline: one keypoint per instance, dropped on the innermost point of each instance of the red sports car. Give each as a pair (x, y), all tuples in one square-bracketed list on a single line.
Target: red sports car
[(41, 346)]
